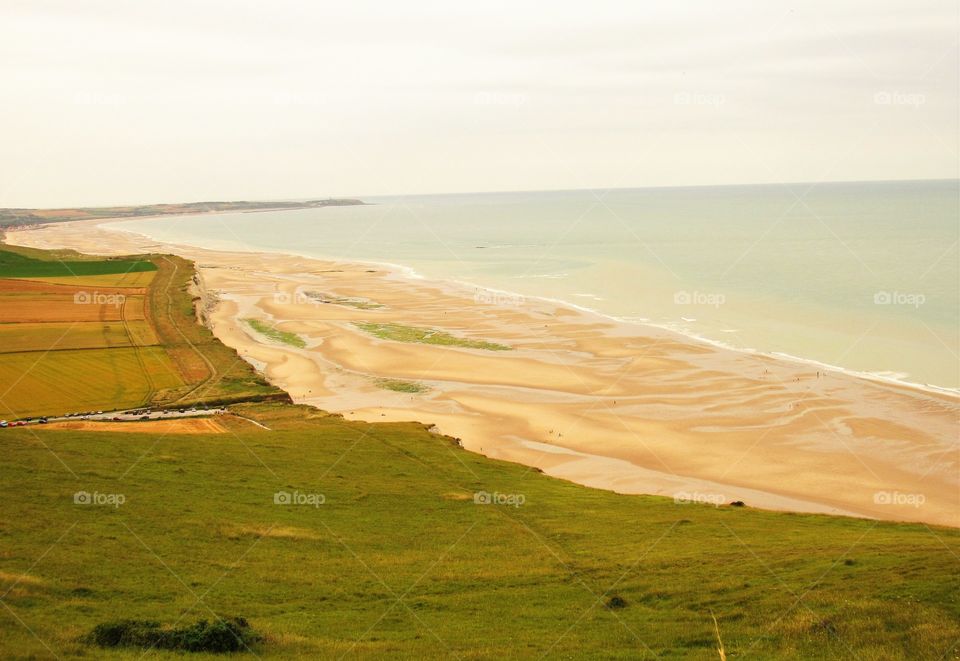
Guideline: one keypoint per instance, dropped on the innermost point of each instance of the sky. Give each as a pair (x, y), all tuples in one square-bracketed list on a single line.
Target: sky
[(120, 102)]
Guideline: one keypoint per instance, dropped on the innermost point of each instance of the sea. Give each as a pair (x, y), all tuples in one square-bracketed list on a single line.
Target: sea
[(859, 276)]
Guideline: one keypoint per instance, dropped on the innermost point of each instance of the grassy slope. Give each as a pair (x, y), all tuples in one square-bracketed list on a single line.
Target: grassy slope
[(215, 372), (400, 562)]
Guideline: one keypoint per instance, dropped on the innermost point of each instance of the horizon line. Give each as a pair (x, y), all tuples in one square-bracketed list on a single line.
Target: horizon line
[(500, 192)]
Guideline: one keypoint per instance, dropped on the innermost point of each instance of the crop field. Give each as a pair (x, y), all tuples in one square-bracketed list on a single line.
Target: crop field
[(58, 308), (62, 286), (134, 308), (35, 383), (90, 343), (170, 426), (73, 335), (141, 333), (128, 279), (18, 265)]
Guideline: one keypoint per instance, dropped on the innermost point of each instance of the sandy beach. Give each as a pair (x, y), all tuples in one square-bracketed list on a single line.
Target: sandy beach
[(624, 407)]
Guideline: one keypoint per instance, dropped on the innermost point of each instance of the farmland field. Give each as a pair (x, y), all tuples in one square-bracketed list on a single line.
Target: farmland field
[(17, 265), (73, 335), (128, 279), (57, 308), (50, 383), (116, 337), (60, 286)]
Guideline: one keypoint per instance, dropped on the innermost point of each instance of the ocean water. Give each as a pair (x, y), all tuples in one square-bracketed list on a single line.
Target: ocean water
[(863, 276)]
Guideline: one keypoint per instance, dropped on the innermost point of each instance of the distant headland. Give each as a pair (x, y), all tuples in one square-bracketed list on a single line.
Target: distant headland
[(16, 217)]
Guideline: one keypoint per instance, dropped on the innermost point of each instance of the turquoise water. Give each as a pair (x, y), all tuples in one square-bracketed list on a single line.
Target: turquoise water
[(863, 276)]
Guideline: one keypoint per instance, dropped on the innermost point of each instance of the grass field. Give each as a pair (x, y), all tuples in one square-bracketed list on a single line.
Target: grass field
[(401, 561), (18, 265)]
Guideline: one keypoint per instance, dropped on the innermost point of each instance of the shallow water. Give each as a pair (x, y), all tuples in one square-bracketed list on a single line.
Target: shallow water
[(864, 276)]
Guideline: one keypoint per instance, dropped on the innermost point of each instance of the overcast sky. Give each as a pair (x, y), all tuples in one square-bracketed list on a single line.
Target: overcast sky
[(124, 101)]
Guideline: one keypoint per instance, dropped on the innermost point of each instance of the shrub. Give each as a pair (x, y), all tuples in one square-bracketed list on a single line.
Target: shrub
[(616, 602), (221, 635)]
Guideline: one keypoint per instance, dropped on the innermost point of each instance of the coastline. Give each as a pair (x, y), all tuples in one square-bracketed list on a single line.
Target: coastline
[(641, 409), (896, 379)]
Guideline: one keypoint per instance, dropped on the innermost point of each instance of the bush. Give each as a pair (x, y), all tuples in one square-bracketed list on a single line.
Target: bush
[(221, 635), (616, 602)]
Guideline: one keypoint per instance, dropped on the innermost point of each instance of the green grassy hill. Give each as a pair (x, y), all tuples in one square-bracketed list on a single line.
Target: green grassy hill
[(399, 561)]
